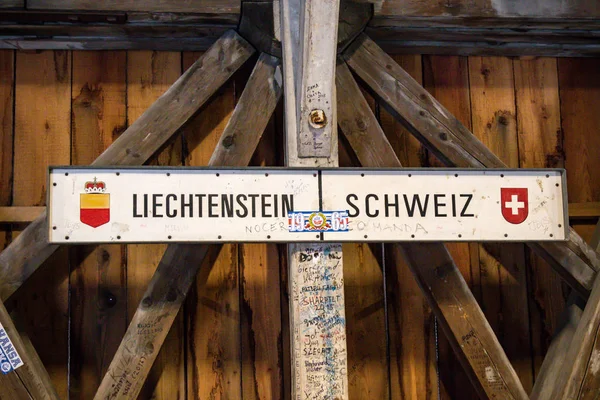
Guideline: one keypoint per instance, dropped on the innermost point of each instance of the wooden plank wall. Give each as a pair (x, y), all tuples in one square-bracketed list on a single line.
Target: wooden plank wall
[(231, 340)]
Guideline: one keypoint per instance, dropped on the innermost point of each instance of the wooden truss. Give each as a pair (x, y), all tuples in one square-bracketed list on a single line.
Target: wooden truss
[(566, 373)]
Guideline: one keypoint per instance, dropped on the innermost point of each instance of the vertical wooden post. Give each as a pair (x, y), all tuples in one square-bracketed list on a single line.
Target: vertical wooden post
[(318, 330)]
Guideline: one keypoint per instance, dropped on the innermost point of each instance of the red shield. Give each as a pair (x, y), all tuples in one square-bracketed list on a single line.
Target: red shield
[(515, 204), (94, 209)]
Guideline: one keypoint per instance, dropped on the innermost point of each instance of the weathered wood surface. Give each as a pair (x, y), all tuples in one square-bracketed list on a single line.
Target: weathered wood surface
[(580, 379), (507, 36), (555, 356), (7, 101), (192, 6), (212, 319), (256, 24), (98, 284), (292, 50), (447, 79), (503, 266), (411, 344), (167, 115), (43, 105), (540, 142), (486, 8), (439, 278), (149, 74), (112, 30), (179, 265), (584, 210), (318, 331), (19, 214), (455, 145), (366, 309), (260, 289), (578, 376), (29, 381)]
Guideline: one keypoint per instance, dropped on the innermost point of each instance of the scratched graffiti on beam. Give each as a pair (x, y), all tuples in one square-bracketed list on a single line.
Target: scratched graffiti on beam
[(318, 295)]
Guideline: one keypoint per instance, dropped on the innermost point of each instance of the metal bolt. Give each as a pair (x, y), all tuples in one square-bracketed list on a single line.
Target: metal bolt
[(318, 119)]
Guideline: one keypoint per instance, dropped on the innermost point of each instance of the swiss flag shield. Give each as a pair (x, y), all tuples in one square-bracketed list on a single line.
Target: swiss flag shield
[(515, 204)]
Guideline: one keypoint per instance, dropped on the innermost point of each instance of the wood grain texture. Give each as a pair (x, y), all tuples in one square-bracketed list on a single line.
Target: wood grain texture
[(7, 101), (161, 303), (212, 309), (453, 144), (578, 375), (493, 106), (29, 380), (191, 6), (412, 343), (503, 266), (553, 361), (450, 298), (42, 138), (368, 376), (579, 94), (397, 34), (487, 8), (540, 146), (447, 79), (260, 288), (149, 75), (550, 35), (165, 117), (584, 210), (19, 214), (98, 283), (318, 331)]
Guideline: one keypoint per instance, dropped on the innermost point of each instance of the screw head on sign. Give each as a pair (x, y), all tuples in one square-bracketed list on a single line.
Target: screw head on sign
[(318, 119)]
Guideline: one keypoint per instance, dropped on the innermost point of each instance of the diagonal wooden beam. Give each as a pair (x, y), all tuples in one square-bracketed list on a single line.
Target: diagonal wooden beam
[(579, 373), (570, 368), (135, 146), (31, 380), (461, 318), (555, 356), (455, 145), (180, 264)]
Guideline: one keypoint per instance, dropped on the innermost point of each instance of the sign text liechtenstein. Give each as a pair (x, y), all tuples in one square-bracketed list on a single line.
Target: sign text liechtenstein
[(302, 205)]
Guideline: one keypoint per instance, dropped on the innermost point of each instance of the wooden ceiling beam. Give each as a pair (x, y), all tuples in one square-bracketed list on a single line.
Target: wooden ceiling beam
[(440, 280), (119, 28), (456, 146), (180, 264), (135, 146)]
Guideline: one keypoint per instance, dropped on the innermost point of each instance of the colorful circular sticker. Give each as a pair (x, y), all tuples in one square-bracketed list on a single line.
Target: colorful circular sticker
[(5, 367), (317, 220)]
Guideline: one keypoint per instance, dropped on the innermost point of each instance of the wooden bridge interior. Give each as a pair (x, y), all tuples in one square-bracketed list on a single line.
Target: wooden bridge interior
[(523, 77)]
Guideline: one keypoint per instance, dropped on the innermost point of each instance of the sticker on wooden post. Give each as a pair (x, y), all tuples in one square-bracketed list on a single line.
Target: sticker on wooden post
[(9, 358)]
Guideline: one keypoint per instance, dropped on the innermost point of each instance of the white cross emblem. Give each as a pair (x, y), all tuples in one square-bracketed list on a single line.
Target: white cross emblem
[(514, 204)]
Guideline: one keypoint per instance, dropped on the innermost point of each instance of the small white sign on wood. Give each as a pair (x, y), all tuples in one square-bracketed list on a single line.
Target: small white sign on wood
[(130, 205)]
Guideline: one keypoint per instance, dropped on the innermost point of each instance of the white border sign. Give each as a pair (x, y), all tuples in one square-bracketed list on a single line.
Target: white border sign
[(151, 204)]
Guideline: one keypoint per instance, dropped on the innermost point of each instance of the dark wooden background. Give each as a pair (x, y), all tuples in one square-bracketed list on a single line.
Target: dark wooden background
[(231, 340)]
